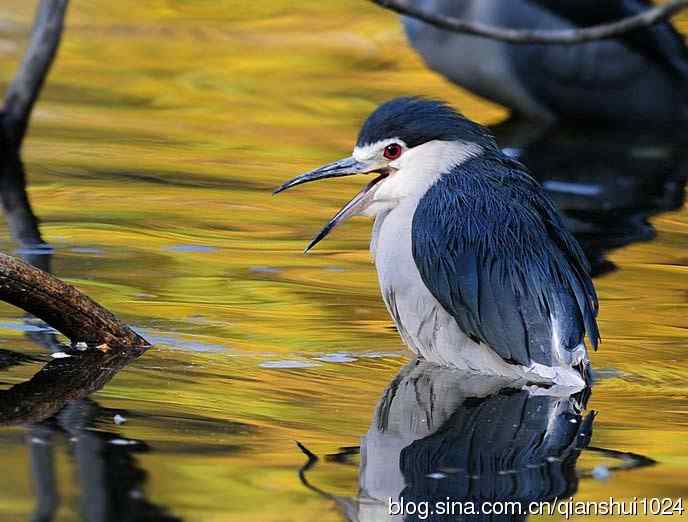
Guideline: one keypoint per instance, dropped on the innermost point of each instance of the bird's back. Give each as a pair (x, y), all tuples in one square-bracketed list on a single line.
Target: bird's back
[(491, 248)]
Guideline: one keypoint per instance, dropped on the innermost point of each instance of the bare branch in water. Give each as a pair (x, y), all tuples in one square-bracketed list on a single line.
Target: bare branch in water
[(63, 306), (14, 119), (26, 86), (647, 18)]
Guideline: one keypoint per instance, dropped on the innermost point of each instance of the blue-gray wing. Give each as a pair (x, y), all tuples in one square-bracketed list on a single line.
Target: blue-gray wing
[(493, 251)]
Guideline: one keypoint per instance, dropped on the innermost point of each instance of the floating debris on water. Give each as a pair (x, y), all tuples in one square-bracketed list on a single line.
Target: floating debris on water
[(59, 355), (119, 419)]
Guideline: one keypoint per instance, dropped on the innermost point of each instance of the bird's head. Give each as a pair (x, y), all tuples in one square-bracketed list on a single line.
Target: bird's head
[(409, 143)]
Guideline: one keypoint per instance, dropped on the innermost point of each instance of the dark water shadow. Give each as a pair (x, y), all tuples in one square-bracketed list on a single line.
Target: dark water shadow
[(55, 408), (440, 435), (606, 181), (109, 478)]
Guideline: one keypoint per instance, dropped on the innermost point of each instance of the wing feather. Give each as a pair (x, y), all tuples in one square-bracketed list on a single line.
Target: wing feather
[(493, 251)]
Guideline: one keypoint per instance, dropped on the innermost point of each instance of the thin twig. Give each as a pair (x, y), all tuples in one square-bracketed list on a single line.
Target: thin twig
[(347, 505), (628, 460), (647, 18)]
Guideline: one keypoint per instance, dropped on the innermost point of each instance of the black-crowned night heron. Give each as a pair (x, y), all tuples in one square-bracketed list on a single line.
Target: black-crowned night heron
[(474, 263), (642, 74)]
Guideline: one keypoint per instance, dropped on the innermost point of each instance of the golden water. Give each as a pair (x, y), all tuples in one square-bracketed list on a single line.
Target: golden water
[(163, 127)]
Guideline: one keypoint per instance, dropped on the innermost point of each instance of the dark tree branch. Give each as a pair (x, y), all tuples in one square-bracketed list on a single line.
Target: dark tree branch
[(21, 221), (14, 119), (62, 306), (26, 86), (58, 304), (523, 36)]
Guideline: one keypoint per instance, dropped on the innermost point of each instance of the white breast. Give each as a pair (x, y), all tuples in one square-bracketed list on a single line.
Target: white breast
[(423, 323)]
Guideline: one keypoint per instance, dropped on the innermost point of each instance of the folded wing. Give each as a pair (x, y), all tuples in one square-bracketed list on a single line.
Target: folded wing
[(493, 251)]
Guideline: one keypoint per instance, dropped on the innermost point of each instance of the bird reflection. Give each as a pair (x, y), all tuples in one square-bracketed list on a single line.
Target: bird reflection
[(606, 181), (439, 434), (442, 442)]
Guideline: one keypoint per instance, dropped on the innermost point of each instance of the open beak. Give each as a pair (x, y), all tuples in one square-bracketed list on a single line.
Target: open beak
[(345, 167)]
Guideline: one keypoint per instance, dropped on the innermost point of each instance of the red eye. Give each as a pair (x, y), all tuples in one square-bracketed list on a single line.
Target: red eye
[(392, 151)]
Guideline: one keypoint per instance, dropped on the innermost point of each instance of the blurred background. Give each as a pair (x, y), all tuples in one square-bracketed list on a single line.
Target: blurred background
[(152, 153)]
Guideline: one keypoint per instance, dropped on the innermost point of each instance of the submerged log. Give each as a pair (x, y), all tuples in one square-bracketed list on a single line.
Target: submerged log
[(62, 306), (42, 295)]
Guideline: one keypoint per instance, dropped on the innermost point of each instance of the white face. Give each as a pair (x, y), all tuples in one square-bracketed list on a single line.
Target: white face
[(412, 171), (383, 151)]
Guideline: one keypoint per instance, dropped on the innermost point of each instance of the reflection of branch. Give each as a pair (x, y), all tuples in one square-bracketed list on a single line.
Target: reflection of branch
[(647, 18), (24, 89), (312, 461), (60, 381), (62, 306), (628, 460), (347, 505), (344, 455)]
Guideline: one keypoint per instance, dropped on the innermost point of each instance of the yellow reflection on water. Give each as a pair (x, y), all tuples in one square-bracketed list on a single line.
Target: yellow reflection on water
[(152, 154)]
